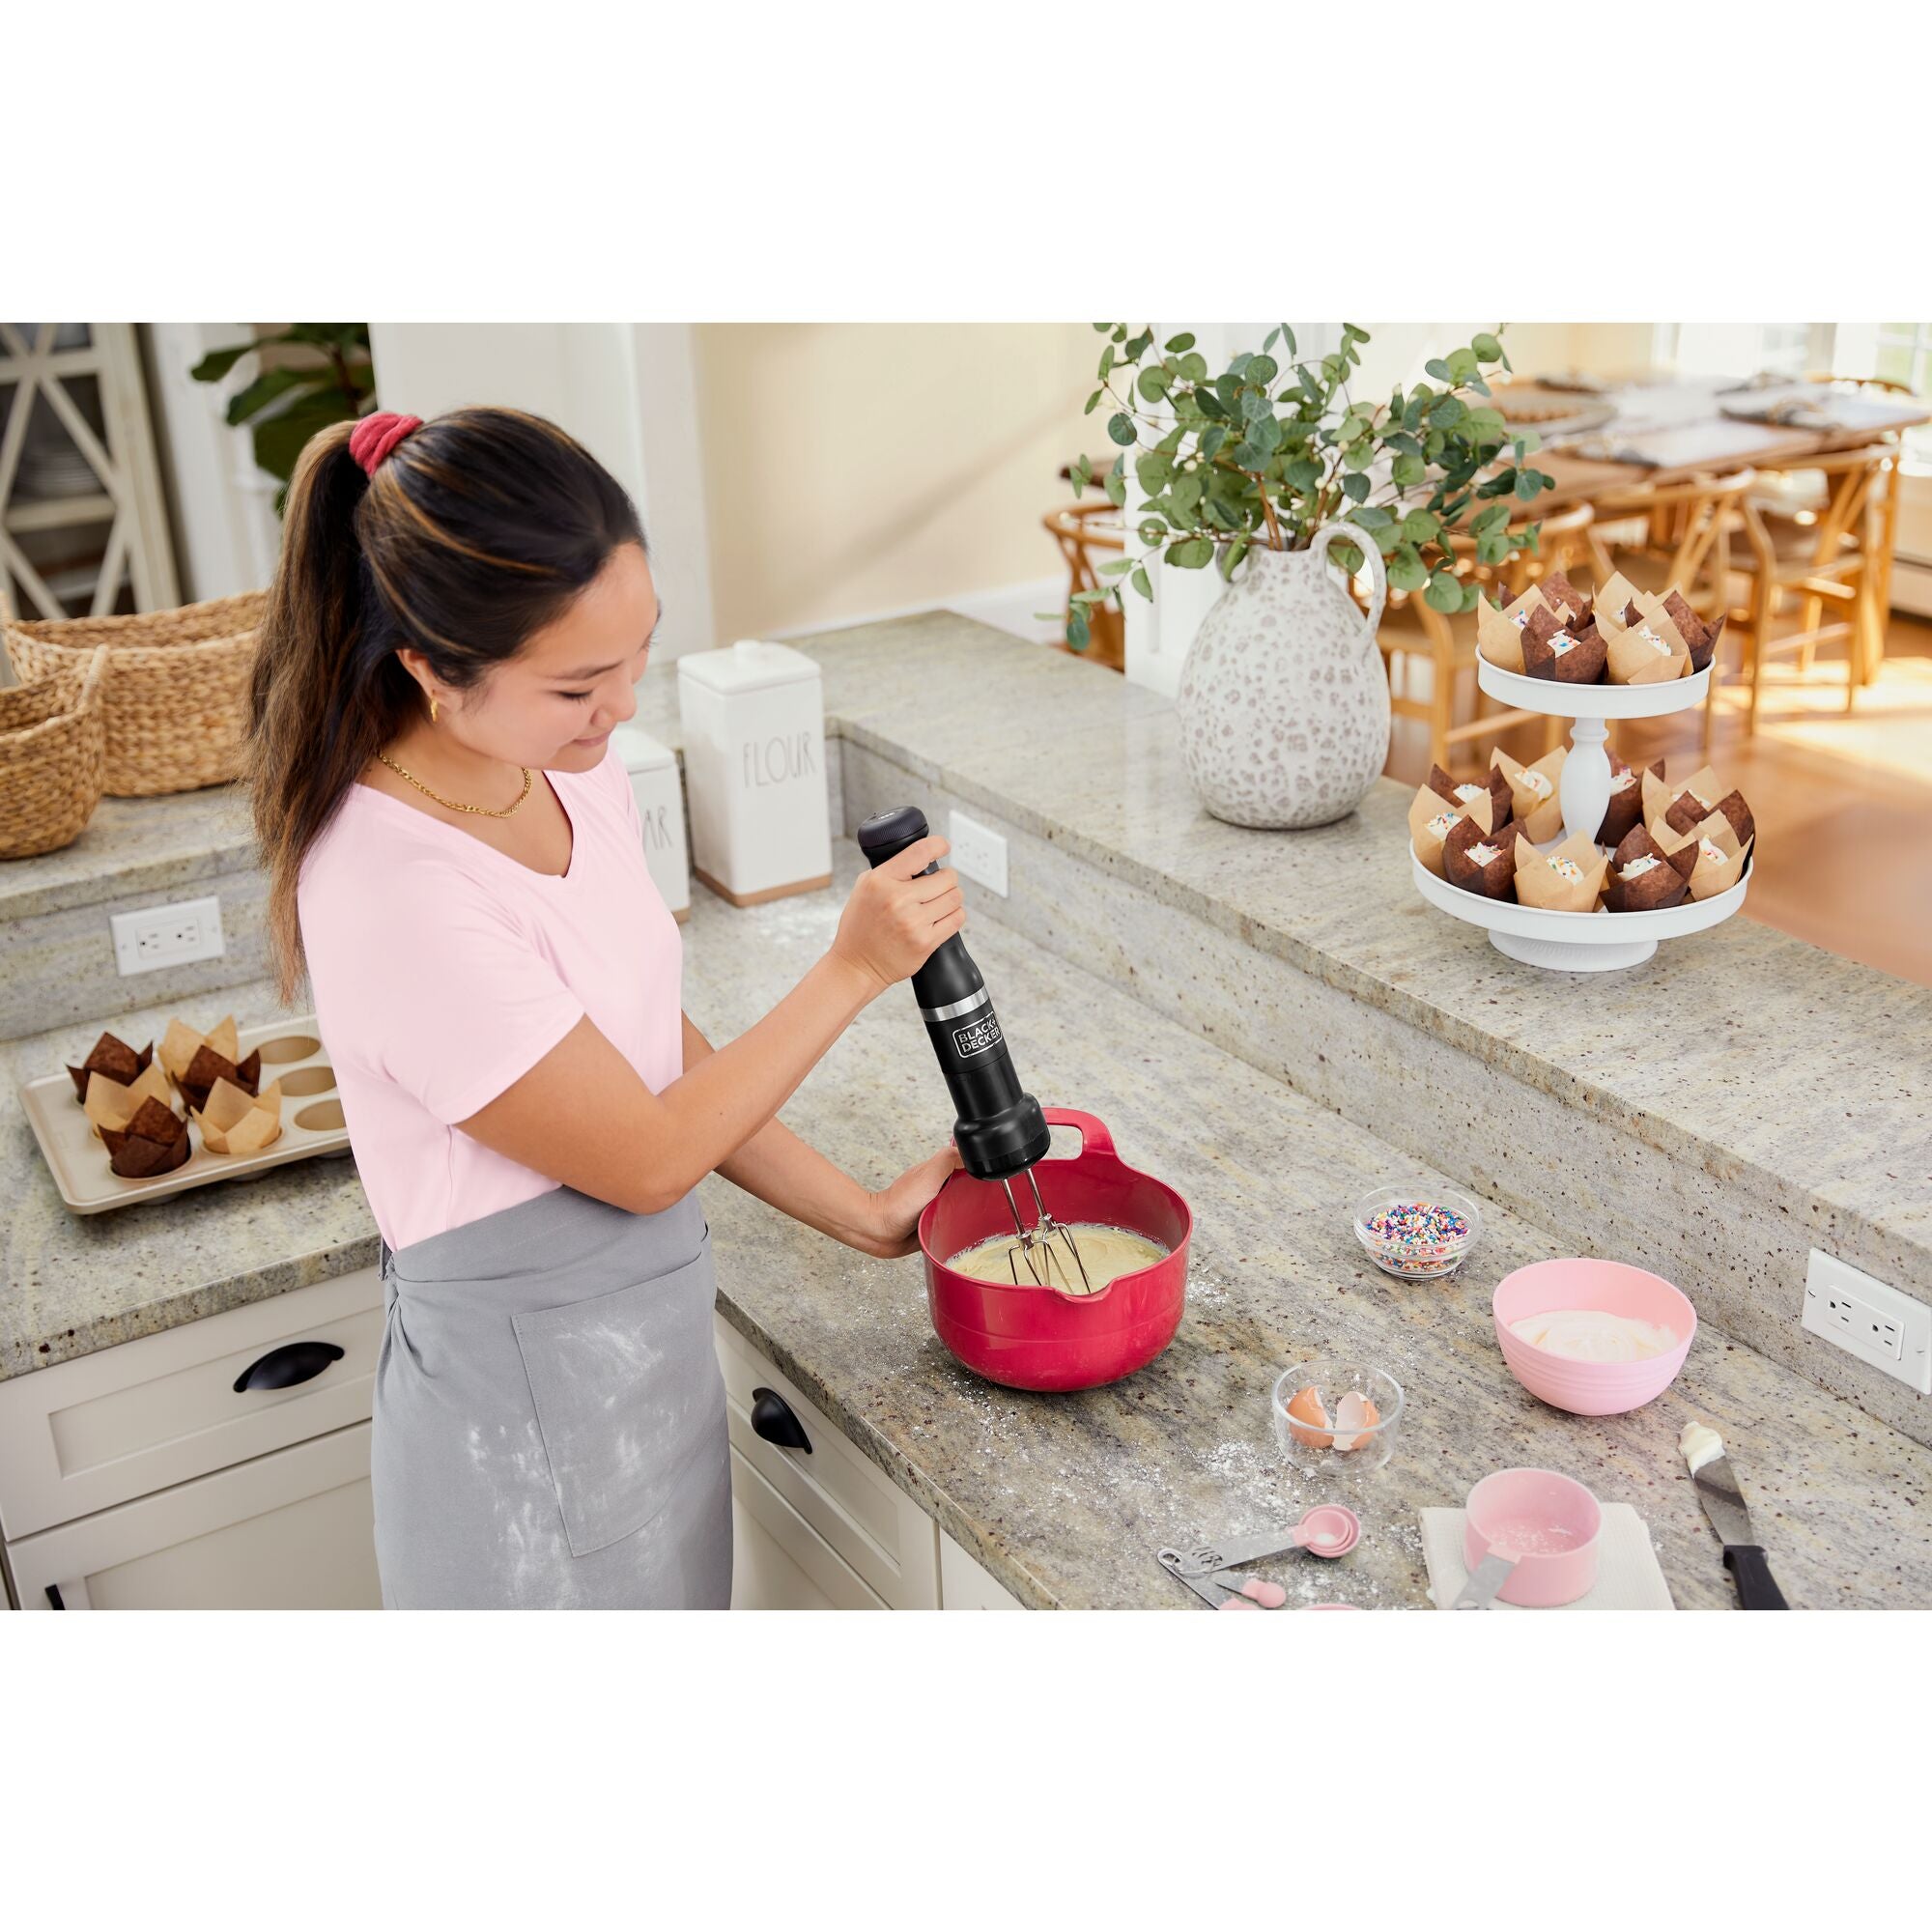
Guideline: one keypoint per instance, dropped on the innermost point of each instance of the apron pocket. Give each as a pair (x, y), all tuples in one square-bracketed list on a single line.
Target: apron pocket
[(627, 1390)]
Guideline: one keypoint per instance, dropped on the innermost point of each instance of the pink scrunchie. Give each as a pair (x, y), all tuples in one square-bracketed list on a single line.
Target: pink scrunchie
[(373, 437)]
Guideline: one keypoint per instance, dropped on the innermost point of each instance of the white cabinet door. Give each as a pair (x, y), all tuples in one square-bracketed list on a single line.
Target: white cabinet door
[(966, 1584), (289, 1531)]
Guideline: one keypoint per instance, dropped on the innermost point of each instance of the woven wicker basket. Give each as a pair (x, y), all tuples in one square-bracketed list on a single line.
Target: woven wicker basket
[(176, 691), (52, 756)]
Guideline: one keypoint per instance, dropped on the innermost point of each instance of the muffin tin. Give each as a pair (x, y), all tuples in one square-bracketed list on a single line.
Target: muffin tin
[(312, 1124)]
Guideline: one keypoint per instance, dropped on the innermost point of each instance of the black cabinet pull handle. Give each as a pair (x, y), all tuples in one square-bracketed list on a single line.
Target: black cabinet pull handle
[(54, 1597), (773, 1419), (285, 1367)]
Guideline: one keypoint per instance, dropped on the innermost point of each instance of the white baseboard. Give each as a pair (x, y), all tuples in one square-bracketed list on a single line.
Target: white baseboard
[(1912, 586), (1008, 607)]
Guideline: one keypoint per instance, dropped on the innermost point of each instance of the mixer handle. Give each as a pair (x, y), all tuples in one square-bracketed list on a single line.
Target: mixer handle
[(1094, 1136)]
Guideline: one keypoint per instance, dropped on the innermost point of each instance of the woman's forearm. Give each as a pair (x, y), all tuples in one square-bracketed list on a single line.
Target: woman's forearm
[(791, 1176), (583, 1117)]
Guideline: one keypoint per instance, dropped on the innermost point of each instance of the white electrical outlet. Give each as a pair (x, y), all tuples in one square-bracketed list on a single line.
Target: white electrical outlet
[(1867, 1319), (169, 935), (978, 853)]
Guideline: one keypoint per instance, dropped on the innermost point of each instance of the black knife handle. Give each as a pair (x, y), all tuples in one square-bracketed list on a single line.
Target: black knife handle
[(1757, 1588)]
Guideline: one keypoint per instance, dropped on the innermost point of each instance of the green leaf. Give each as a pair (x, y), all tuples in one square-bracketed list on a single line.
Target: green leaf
[(265, 388), (1527, 483), (279, 439), (1406, 571), (1303, 473), (1355, 488), (1349, 555), (1106, 362), (1461, 363), (1230, 557), (1139, 580), (1487, 349), (1191, 554), (1185, 493), (1407, 471), (1443, 593), (1152, 471), (1139, 345), (1211, 440), (1194, 367), (1448, 412), (1440, 369), (1471, 596), (1089, 596), (1209, 404), (1178, 344), (1372, 517), (1420, 527), (1101, 327), (1264, 433), (1121, 427), (1092, 401), (1116, 486), (1154, 532), (1487, 520), (1078, 632), (1288, 338), (1261, 369), (1152, 382), (217, 362), (1113, 566)]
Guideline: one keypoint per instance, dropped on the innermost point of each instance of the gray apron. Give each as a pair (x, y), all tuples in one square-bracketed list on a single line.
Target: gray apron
[(548, 1415)]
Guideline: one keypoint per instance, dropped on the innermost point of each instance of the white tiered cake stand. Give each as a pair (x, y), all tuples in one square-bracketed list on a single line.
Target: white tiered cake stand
[(1582, 942)]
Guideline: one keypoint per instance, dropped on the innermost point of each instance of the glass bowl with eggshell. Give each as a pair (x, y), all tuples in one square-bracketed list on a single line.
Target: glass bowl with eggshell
[(1419, 1231), (1632, 1295), (1339, 1418)]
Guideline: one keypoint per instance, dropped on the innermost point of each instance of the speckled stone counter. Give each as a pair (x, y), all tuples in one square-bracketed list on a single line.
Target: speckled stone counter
[(1064, 1499), (1737, 1100)]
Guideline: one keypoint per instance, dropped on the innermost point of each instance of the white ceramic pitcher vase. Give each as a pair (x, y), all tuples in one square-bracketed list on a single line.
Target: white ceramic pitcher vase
[(1283, 699)]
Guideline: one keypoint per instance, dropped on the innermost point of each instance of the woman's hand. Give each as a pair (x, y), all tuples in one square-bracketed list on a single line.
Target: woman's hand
[(895, 918), (895, 1209)]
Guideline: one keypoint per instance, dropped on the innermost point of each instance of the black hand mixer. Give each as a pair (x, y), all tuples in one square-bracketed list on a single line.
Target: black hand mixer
[(1000, 1132)]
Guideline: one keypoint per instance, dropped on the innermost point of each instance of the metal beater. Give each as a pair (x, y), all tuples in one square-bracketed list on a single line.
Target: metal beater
[(1001, 1131)]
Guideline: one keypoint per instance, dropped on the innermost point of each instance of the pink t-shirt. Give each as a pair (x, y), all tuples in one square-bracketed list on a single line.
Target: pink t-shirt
[(443, 971)]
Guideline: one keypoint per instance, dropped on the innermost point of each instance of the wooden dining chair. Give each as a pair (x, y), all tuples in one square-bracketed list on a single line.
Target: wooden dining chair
[(1413, 632), (1833, 560), (1087, 533), (1676, 534)]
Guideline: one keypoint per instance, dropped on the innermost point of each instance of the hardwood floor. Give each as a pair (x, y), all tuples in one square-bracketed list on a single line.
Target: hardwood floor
[(1843, 802)]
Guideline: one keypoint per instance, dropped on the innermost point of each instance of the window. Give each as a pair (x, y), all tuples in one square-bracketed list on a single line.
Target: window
[(1896, 352), (1743, 349)]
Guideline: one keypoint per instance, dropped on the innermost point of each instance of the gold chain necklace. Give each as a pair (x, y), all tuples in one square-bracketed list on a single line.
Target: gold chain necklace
[(481, 811)]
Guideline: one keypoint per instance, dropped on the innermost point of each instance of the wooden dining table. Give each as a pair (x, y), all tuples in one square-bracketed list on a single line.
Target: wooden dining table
[(1683, 428), (1662, 433)]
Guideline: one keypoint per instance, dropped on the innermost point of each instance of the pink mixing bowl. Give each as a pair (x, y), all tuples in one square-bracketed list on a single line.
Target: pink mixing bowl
[(1592, 1388), (1549, 1522)]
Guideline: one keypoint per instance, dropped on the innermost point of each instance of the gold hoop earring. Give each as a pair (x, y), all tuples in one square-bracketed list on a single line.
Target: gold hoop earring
[(432, 711)]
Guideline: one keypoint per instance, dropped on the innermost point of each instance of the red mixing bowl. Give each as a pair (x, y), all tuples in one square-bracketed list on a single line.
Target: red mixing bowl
[(1040, 1338)]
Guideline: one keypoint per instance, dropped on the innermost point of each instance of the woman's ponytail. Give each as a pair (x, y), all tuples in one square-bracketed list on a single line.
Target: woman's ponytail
[(472, 534)]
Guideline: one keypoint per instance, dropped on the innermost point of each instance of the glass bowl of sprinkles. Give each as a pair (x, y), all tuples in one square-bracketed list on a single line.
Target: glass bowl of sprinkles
[(1419, 1230)]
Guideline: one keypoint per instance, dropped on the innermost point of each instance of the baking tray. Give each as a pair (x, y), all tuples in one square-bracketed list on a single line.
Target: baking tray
[(292, 1052)]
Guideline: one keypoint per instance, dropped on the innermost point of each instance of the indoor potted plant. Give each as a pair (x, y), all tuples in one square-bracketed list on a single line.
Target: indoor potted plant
[(1267, 470)]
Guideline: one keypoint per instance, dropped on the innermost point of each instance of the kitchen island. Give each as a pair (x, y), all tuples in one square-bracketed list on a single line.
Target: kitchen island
[(1215, 996)]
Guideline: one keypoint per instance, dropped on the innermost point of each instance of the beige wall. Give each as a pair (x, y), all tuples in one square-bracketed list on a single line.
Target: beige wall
[(854, 467)]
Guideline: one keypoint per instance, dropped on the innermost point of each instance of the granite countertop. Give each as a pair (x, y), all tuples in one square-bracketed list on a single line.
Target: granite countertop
[(1729, 1047), (1065, 1497)]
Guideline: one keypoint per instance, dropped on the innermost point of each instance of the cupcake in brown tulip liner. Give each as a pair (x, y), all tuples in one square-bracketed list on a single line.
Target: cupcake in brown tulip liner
[(1641, 877), (154, 1140), (1551, 649), (113, 1057), (1480, 862)]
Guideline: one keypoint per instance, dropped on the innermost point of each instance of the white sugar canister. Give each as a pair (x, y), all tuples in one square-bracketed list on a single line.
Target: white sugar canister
[(753, 720), (660, 794)]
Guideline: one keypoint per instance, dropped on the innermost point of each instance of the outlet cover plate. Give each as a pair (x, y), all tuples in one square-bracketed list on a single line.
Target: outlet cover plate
[(1865, 1317), (977, 852), (167, 935)]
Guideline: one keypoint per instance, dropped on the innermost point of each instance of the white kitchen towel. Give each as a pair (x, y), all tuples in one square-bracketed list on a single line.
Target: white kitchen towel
[(1628, 1575)]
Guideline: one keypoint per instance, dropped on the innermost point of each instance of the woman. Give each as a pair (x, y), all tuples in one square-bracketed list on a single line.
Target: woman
[(462, 609)]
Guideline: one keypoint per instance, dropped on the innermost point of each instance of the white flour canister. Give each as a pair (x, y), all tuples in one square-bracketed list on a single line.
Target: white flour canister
[(753, 720), (655, 785)]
